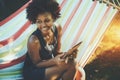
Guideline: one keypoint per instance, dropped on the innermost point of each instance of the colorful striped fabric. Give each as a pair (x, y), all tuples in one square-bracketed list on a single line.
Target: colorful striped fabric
[(82, 20)]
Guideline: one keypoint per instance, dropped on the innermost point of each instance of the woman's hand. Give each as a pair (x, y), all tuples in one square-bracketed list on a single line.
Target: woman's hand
[(70, 54), (74, 54), (59, 60)]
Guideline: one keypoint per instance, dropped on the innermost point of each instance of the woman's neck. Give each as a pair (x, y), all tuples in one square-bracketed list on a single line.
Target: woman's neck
[(48, 37)]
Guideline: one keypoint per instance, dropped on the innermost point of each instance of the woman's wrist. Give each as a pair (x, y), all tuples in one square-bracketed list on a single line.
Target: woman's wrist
[(65, 55)]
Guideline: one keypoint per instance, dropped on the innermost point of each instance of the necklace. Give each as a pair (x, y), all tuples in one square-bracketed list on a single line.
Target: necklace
[(48, 39)]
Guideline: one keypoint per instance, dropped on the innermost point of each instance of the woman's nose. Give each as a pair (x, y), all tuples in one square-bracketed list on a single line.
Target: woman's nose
[(43, 24)]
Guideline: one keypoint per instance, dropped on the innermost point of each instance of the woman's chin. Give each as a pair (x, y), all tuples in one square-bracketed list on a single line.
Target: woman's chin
[(45, 31)]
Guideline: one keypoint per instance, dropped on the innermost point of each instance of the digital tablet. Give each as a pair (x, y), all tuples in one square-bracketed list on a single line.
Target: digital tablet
[(75, 46)]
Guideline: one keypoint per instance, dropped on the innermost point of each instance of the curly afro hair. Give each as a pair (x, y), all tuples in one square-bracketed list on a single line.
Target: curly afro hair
[(37, 7)]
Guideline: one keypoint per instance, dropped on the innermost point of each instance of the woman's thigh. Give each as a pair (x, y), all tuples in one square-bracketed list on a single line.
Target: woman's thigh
[(55, 72)]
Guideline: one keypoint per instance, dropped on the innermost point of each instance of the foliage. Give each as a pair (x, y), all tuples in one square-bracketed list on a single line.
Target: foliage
[(105, 67)]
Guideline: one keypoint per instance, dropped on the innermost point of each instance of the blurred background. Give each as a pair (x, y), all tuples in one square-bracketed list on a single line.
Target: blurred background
[(104, 62)]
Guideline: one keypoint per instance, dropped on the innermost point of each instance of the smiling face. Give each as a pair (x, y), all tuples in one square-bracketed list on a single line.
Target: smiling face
[(44, 22)]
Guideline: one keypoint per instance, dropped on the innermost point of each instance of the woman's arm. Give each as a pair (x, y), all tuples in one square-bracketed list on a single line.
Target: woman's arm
[(59, 29), (33, 50)]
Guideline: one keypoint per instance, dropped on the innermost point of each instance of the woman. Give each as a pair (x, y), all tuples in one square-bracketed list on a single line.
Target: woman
[(43, 59)]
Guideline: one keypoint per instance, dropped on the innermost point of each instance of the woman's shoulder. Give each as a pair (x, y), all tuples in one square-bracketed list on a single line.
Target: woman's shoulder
[(58, 26), (33, 39)]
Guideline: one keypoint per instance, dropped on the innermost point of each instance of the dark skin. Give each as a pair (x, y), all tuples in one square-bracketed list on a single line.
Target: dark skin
[(54, 66)]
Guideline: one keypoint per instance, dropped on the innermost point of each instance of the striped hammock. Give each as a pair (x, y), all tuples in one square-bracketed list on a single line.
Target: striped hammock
[(82, 20)]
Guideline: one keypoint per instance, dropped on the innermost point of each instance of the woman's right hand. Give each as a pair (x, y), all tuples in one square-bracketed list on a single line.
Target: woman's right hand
[(59, 60)]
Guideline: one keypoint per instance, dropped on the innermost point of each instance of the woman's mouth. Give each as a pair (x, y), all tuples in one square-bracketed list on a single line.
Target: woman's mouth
[(45, 29)]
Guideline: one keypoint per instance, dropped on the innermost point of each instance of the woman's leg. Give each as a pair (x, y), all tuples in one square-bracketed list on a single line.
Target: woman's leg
[(53, 73), (65, 71), (69, 74)]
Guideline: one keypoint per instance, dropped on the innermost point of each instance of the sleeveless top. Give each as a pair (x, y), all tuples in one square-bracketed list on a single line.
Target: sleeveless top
[(47, 51)]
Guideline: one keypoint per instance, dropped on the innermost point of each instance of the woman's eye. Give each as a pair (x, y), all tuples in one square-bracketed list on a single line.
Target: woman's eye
[(47, 20), (38, 22)]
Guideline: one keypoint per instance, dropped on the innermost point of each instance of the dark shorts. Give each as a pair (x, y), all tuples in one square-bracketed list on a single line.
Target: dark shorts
[(34, 73)]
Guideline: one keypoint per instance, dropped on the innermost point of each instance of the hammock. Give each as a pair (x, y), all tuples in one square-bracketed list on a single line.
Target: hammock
[(84, 21)]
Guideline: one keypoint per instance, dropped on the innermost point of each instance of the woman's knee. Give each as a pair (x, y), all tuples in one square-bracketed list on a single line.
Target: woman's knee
[(53, 73)]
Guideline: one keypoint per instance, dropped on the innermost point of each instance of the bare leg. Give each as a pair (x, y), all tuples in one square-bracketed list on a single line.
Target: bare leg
[(53, 73), (66, 72), (69, 74)]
